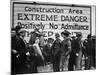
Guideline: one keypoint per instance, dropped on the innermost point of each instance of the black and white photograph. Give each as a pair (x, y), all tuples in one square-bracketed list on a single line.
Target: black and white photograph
[(52, 37)]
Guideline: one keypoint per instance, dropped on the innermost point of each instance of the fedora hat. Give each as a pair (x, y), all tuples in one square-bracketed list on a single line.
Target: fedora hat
[(79, 34), (65, 32)]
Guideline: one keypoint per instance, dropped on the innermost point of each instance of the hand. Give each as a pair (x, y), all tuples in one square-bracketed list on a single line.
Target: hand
[(14, 51), (77, 54), (18, 56), (28, 54)]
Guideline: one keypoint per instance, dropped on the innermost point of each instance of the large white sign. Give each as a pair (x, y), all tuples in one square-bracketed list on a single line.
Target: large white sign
[(52, 18)]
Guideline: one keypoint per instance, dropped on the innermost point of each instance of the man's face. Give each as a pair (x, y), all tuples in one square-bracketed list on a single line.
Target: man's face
[(73, 38), (63, 35), (23, 34), (57, 37), (50, 41), (80, 37)]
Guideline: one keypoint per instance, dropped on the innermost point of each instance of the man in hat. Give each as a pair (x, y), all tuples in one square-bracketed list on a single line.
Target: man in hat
[(88, 52), (78, 50), (66, 47), (34, 60), (47, 51), (21, 52), (56, 50), (13, 51), (17, 29)]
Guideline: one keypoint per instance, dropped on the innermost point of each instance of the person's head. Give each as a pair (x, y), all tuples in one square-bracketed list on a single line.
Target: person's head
[(79, 35), (22, 33), (57, 35), (13, 32), (73, 37), (89, 36), (50, 40), (32, 37), (37, 40), (65, 34), (17, 28)]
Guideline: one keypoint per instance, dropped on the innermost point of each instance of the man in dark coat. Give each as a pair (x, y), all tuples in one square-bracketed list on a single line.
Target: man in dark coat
[(14, 59), (47, 51), (21, 53), (72, 59), (56, 50), (78, 49), (66, 47), (88, 52)]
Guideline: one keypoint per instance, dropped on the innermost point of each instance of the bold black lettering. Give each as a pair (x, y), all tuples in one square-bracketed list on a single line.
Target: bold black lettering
[(20, 17), (26, 17), (50, 33)]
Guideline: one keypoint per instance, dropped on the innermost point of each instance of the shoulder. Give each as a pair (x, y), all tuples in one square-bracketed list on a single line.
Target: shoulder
[(67, 40)]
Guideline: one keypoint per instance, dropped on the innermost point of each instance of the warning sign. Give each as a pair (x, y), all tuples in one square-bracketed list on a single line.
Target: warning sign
[(52, 18)]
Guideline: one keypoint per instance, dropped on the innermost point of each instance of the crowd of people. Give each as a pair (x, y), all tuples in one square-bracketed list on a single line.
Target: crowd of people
[(26, 57)]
